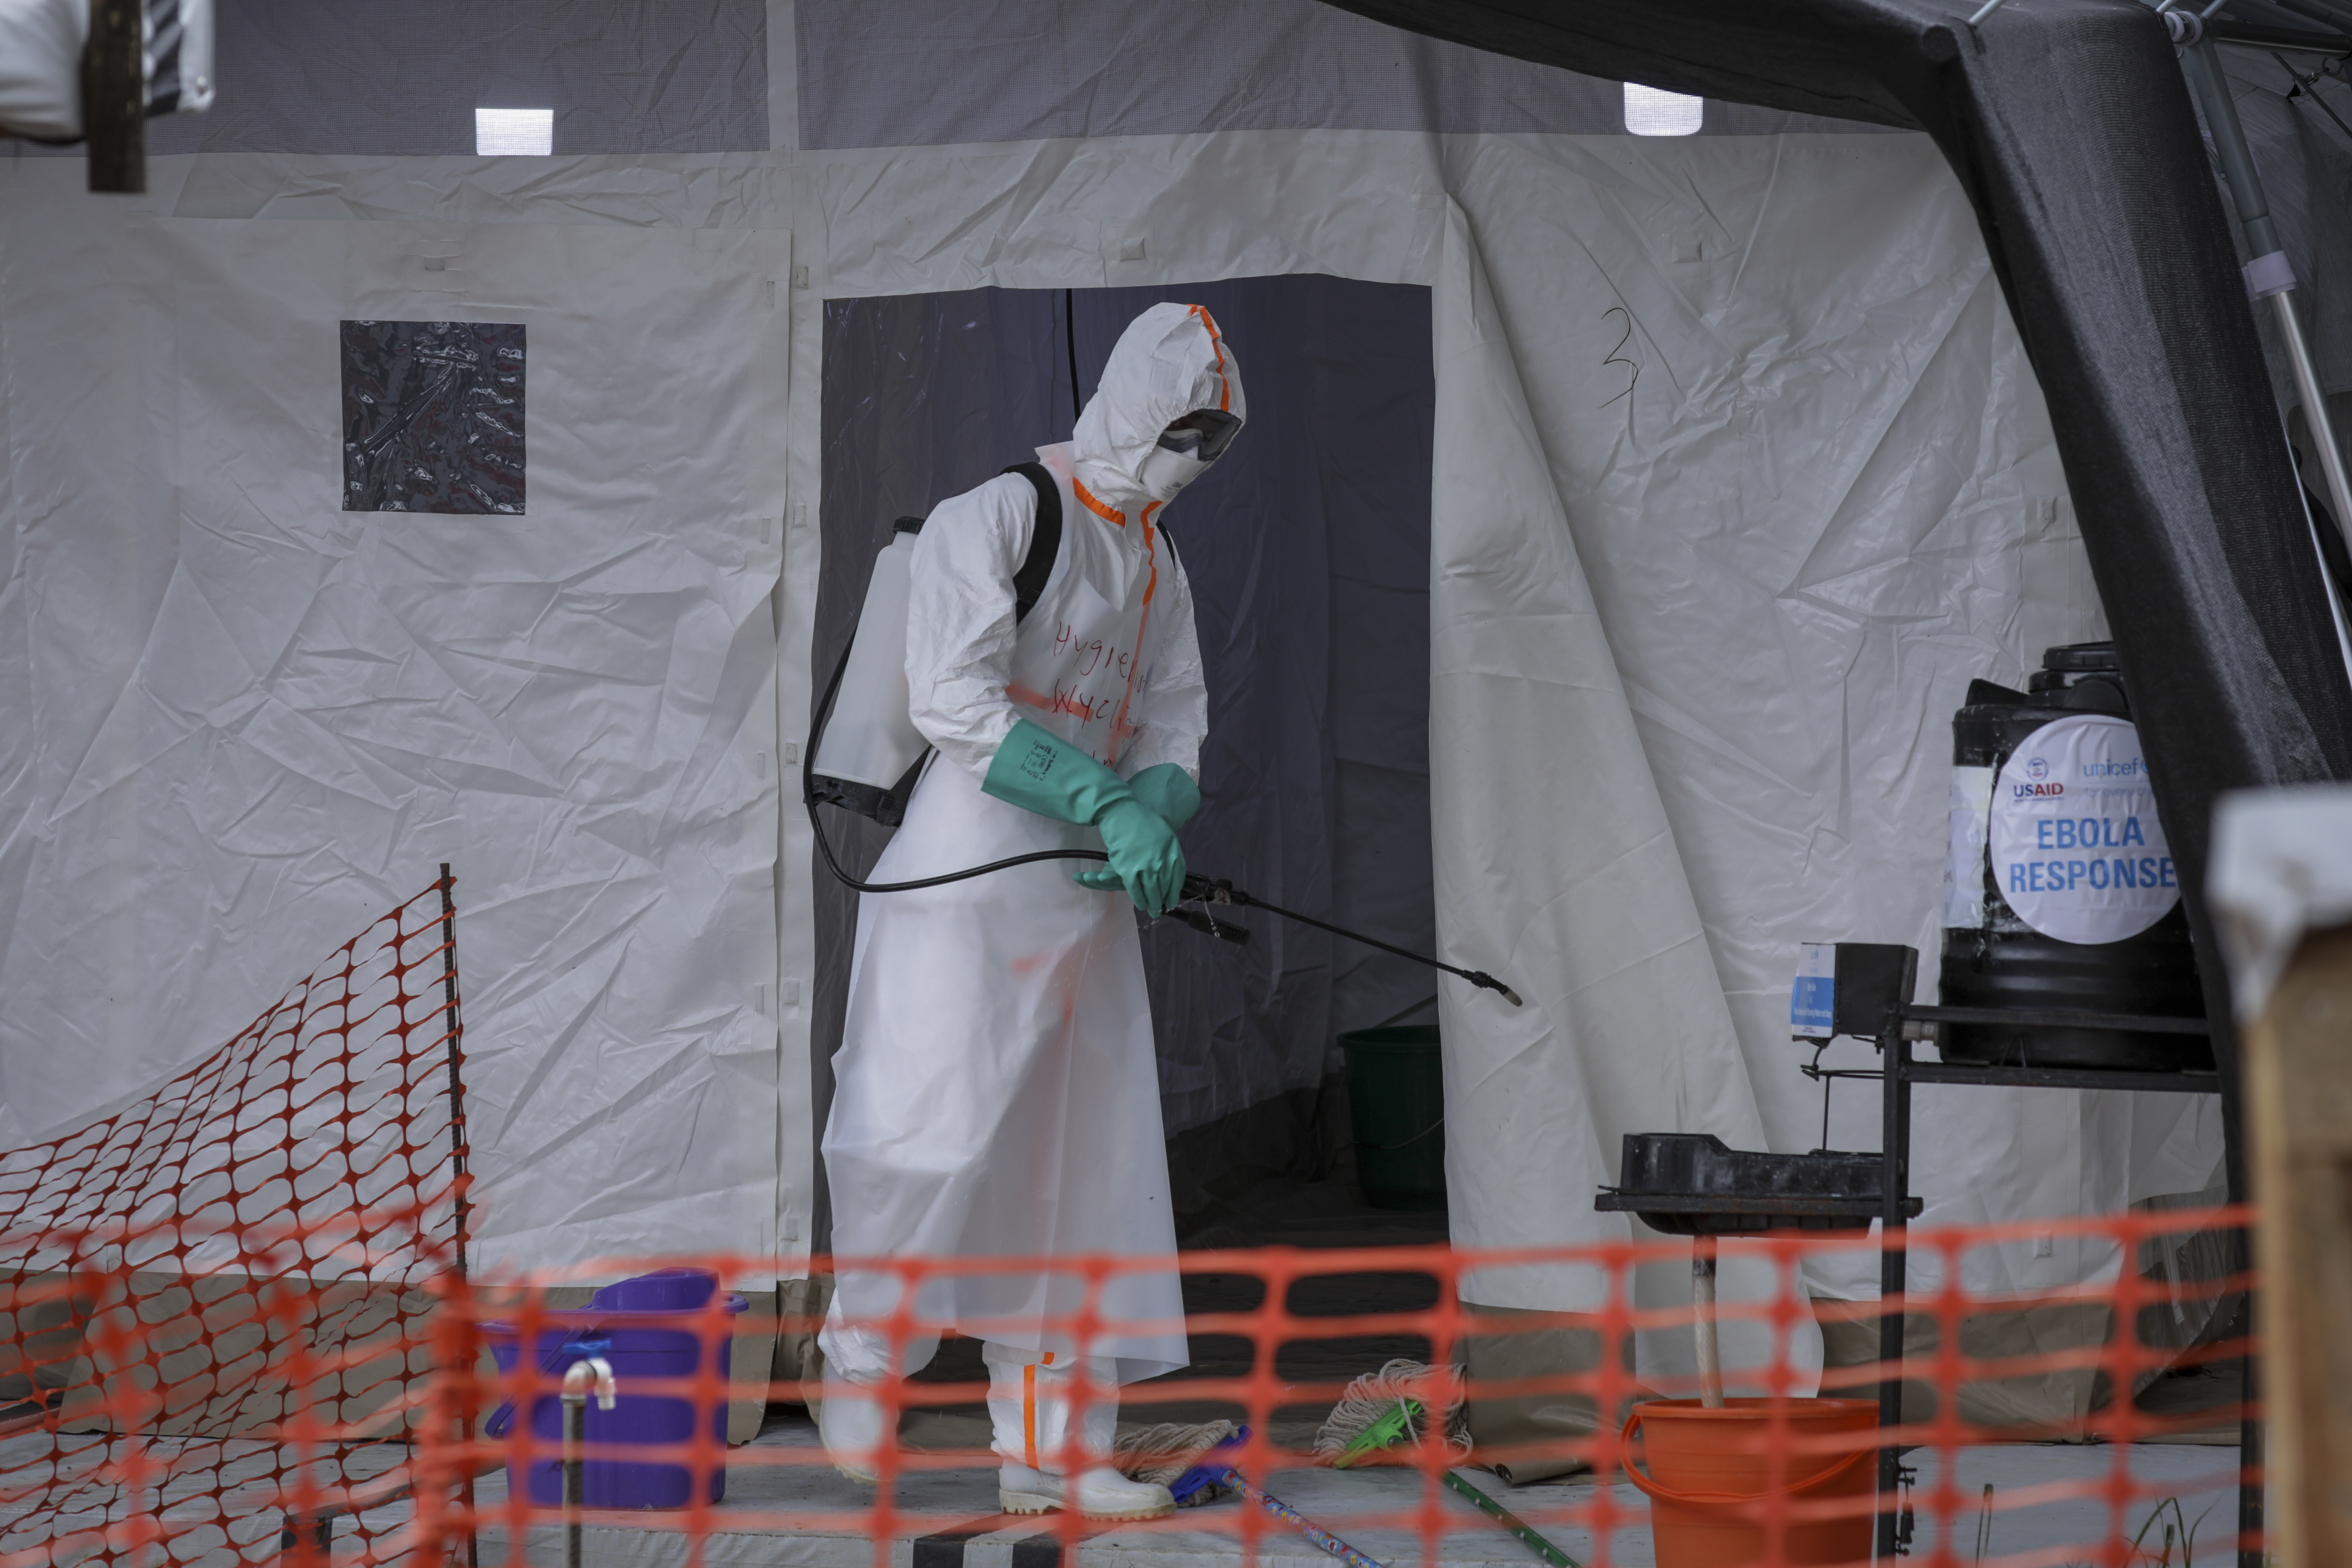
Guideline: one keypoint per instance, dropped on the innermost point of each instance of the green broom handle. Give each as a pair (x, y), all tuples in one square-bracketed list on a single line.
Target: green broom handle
[(1514, 1524)]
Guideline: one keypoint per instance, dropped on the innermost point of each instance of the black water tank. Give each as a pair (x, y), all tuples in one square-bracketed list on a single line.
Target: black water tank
[(2060, 889)]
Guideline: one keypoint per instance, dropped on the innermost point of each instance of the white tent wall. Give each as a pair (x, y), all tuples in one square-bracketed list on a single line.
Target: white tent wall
[(246, 721), (1828, 500), (1810, 478), (1587, 909)]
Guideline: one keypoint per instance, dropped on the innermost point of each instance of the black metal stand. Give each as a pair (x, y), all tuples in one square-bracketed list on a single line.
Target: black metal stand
[(1897, 1073), (1689, 1185)]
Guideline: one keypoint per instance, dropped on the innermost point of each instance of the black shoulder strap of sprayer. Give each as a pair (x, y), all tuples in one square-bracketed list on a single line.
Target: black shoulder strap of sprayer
[(1044, 540)]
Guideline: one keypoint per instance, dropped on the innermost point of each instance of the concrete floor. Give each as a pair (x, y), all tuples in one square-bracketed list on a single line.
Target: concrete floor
[(785, 1507)]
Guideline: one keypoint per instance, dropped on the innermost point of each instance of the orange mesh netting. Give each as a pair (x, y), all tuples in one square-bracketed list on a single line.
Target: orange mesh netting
[(2106, 1494), (215, 1298)]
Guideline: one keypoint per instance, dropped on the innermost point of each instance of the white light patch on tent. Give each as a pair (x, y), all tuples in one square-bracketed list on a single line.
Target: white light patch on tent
[(1650, 112), (530, 133)]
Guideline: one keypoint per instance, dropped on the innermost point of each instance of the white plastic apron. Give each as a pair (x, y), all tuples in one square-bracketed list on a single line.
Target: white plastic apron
[(996, 1092)]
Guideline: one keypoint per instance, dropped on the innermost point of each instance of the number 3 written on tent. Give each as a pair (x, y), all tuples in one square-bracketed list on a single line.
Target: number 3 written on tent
[(1633, 367)]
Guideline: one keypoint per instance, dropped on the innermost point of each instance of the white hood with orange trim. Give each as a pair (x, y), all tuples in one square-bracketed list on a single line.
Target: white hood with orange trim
[(1169, 361)]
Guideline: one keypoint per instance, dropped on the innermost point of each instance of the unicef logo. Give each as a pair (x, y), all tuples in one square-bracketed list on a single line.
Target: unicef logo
[(2037, 770)]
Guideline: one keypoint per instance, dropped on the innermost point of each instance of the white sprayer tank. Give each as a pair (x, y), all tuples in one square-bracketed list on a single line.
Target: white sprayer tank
[(869, 742)]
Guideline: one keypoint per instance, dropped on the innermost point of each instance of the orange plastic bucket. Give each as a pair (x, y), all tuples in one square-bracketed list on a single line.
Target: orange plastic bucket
[(1710, 1472)]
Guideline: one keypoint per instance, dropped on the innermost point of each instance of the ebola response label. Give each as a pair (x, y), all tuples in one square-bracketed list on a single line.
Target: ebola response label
[(2075, 846)]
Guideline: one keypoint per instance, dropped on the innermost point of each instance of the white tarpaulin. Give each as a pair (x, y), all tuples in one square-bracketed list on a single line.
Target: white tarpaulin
[(247, 719)]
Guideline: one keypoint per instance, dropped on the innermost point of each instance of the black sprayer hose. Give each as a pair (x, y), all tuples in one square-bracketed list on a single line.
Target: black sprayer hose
[(1197, 888)]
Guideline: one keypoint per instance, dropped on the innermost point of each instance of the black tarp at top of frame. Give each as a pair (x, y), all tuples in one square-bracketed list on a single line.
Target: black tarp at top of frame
[(2071, 128)]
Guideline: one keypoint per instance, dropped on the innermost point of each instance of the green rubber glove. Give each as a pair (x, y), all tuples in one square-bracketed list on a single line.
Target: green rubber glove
[(1168, 790), (1038, 771)]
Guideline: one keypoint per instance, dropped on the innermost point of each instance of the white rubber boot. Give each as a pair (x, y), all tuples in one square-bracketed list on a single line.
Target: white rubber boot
[(1030, 1395), (1103, 1493), (850, 1419)]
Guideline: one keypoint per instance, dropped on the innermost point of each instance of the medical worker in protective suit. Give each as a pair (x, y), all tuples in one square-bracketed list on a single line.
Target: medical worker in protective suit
[(996, 1090)]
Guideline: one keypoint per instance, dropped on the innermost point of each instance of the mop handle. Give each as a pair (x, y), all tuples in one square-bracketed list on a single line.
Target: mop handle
[(1297, 1520), (1513, 1522)]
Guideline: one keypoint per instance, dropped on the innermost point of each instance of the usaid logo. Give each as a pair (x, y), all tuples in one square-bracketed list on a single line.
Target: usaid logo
[(2037, 770)]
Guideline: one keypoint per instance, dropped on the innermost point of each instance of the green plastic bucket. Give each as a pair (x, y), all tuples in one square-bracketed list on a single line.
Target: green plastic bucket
[(1396, 1095)]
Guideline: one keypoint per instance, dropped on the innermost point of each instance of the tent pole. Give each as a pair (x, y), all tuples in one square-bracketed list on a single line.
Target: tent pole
[(2269, 272)]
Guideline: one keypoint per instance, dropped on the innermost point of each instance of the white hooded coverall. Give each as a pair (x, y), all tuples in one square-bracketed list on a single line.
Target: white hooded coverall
[(996, 1090)]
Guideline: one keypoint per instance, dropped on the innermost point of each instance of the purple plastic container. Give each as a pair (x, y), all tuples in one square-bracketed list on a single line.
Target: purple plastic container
[(647, 1329)]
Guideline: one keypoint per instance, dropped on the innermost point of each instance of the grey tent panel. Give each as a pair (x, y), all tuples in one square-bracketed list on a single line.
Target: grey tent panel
[(362, 78), (912, 73)]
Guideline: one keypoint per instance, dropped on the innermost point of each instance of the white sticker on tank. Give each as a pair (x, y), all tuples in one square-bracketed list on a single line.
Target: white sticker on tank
[(2075, 844), (1967, 824)]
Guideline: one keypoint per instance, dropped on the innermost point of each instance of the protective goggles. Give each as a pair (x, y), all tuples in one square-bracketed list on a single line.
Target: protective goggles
[(1202, 434)]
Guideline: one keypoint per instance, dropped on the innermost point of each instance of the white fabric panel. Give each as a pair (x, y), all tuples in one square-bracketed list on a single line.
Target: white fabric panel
[(1557, 867), (40, 66), (1812, 480), (2282, 868), (244, 720)]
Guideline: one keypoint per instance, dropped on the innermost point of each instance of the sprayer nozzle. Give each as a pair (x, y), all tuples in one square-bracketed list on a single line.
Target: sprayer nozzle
[(1479, 977)]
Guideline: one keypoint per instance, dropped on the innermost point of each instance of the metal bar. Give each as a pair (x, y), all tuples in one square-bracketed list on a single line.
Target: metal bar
[(2067, 1078), (114, 96), (456, 1030), (2308, 87), (2248, 37), (2314, 412), (2204, 67), (456, 1052), (575, 1439), (1894, 1219), (1740, 1202), (580, 1379), (2059, 1018), (1710, 1358), (2206, 79)]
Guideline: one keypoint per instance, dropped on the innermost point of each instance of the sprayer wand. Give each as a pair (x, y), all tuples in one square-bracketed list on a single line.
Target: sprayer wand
[(1198, 889)]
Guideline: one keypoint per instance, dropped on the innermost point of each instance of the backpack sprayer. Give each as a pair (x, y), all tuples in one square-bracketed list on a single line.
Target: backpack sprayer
[(870, 763)]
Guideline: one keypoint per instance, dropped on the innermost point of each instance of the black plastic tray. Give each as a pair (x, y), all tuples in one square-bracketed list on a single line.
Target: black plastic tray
[(1689, 1184)]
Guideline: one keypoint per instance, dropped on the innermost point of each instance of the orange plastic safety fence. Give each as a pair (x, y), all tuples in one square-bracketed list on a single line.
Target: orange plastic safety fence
[(2106, 1494), (214, 1303)]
